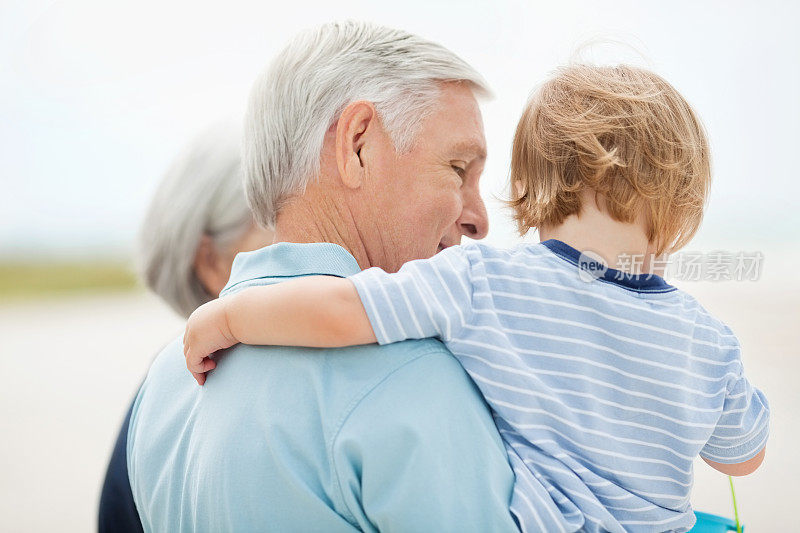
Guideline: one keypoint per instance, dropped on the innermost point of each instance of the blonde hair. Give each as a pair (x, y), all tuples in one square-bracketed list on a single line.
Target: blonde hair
[(621, 131)]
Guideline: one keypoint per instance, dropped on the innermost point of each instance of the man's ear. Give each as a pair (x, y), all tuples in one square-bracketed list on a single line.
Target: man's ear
[(352, 133)]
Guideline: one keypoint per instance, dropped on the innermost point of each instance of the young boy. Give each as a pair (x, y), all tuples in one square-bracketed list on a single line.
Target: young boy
[(604, 387)]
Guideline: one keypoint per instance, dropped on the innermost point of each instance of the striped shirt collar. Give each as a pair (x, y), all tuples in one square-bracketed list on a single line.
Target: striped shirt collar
[(633, 282)]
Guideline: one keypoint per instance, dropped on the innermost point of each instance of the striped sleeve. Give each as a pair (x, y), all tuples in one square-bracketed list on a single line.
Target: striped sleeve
[(425, 298), (743, 428)]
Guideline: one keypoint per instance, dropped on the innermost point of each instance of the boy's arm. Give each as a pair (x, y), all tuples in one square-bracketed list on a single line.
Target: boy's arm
[(425, 298), (738, 443), (316, 311)]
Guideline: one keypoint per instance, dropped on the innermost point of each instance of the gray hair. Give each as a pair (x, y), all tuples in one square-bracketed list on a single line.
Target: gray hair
[(201, 194), (308, 85)]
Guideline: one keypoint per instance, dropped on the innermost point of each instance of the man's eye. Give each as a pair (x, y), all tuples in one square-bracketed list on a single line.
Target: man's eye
[(460, 171)]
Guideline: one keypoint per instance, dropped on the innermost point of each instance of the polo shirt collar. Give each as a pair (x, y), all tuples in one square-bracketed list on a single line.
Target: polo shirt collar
[(286, 259)]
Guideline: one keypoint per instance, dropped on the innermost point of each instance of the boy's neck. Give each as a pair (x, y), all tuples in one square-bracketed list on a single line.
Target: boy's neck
[(593, 230)]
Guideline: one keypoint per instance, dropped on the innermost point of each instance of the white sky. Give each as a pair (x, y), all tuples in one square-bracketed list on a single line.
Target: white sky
[(96, 97)]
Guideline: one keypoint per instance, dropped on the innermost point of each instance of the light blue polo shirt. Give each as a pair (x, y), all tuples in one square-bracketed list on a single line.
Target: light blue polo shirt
[(389, 438)]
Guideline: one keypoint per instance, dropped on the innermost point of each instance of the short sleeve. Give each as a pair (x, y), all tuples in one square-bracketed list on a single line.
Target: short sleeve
[(425, 298), (743, 428)]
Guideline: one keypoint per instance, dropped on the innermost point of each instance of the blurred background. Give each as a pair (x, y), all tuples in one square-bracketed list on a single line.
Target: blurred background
[(97, 98)]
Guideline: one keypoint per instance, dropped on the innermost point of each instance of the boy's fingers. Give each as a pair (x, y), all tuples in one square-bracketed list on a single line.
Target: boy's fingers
[(199, 369), (195, 364)]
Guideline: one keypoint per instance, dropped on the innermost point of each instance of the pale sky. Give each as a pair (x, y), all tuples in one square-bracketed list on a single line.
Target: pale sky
[(96, 97)]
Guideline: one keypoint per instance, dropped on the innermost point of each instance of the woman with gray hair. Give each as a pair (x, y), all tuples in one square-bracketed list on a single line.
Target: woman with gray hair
[(197, 221)]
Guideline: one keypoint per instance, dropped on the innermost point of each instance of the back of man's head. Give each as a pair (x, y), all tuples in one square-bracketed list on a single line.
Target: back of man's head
[(310, 82)]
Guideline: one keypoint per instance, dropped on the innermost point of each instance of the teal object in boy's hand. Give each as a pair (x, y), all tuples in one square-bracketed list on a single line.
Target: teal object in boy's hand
[(711, 523)]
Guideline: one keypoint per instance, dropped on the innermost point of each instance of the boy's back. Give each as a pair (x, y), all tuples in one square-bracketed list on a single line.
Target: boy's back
[(604, 392)]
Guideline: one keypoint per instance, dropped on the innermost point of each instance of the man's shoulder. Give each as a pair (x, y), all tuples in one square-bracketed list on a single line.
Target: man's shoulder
[(302, 418), (411, 380), (347, 374), (308, 393), (342, 376)]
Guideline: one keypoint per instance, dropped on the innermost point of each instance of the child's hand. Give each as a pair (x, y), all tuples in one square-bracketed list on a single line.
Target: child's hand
[(206, 332)]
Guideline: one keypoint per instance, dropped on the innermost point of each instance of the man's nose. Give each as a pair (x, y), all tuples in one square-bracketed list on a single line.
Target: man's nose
[(473, 222)]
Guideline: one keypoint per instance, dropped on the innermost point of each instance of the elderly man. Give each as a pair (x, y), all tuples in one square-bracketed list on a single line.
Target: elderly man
[(364, 146)]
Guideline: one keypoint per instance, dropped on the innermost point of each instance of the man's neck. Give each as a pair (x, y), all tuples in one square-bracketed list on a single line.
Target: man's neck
[(315, 218)]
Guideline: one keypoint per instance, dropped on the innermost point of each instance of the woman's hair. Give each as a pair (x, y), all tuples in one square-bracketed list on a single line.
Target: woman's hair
[(201, 194), (622, 131), (310, 82)]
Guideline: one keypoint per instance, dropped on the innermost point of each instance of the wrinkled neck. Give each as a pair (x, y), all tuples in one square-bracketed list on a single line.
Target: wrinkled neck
[(319, 216)]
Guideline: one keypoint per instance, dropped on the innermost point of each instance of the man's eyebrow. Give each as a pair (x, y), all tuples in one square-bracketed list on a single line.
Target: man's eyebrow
[(473, 149)]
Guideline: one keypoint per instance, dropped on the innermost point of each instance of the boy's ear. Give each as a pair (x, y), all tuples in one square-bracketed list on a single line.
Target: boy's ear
[(352, 133)]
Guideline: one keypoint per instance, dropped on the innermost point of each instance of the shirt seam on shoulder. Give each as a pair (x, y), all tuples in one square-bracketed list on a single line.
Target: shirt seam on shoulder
[(353, 406)]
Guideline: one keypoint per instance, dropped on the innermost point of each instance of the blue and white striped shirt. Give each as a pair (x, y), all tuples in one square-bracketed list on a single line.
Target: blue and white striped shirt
[(604, 391)]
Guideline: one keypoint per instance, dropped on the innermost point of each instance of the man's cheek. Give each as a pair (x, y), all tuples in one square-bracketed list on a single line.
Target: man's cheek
[(455, 207)]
